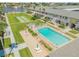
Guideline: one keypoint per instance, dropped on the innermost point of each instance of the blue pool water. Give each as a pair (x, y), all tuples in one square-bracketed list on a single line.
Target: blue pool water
[(53, 36)]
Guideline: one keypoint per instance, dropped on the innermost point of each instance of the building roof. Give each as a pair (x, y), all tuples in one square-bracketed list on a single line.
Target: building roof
[(69, 50), (62, 12), (72, 14)]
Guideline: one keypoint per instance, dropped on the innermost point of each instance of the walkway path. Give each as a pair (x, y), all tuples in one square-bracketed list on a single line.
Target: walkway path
[(11, 33)]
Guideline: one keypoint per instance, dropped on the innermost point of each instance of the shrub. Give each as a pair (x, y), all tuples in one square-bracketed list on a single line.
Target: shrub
[(32, 32), (29, 12), (35, 17), (62, 26), (71, 35), (46, 45)]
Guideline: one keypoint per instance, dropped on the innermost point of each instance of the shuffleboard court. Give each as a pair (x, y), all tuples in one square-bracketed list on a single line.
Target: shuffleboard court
[(24, 18), (20, 19)]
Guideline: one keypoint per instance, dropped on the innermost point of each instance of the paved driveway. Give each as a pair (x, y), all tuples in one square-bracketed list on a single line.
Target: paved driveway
[(70, 50)]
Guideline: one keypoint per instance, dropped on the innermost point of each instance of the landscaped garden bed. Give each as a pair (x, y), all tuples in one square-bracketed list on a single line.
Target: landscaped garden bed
[(74, 31), (32, 32), (62, 26), (71, 35), (46, 45)]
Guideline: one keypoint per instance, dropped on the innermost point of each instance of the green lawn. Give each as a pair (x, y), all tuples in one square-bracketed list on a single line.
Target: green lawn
[(7, 42), (13, 19), (25, 52), (16, 26)]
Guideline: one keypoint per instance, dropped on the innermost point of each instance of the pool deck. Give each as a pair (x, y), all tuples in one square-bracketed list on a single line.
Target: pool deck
[(32, 43)]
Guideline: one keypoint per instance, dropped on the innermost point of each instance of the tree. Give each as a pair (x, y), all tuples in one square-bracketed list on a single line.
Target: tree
[(46, 19), (43, 9), (35, 17), (34, 7), (2, 30), (73, 26)]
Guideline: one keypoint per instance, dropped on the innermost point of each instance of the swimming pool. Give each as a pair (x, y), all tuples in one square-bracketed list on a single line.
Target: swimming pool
[(53, 36)]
